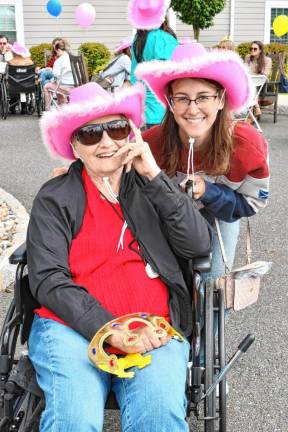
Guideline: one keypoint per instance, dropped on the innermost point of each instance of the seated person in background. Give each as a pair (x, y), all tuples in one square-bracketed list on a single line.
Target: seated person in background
[(118, 70), (226, 44), (21, 56), (46, 73), (258, 64), (105, 240), (63, 75)]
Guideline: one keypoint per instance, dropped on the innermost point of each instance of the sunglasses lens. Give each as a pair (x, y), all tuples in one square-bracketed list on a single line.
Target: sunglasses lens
[(89, 135), (118, 130), (92, 134)]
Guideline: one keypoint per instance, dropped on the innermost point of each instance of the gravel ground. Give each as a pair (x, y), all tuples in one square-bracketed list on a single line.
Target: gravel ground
[(258, 383)]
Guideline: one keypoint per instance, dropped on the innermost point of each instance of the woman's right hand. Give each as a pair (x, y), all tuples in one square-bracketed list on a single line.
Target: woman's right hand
[(147, 341)]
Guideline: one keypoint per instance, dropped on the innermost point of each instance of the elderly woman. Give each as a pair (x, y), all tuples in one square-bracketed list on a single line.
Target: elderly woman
[(106, 239)]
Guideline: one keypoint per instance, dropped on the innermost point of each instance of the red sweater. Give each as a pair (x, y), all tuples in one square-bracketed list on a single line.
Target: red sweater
[(117, 280)]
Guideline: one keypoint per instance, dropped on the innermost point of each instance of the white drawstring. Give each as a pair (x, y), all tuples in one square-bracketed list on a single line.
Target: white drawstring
[(190, 162), (121, 240), (112, 195), (109, 189)]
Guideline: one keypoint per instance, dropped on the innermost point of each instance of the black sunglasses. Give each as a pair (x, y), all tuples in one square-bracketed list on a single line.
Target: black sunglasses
[(254, 49), (92, 134)]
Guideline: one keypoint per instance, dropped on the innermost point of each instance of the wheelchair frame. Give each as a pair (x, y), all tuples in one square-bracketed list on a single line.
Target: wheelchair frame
[(33, 99), (22, 401)]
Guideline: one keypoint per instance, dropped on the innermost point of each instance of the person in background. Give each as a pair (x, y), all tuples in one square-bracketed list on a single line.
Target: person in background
[(46, 73), (119, 69), (105, 240), (21, 56), (259, 64), (226, 44), (198, 138), (154, 40), (63, 74), (5, 49)]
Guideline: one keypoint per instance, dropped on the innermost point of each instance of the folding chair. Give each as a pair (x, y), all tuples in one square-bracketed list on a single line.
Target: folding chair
[(79, 69), (258, 82)]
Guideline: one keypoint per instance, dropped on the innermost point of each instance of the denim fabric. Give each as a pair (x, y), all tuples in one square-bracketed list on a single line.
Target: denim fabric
[(230, 233), (46, 75), (75, 391)]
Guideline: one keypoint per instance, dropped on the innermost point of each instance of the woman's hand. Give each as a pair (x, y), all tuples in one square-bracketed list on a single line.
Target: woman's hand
[(139, 155), (148, 341), (199, 186)]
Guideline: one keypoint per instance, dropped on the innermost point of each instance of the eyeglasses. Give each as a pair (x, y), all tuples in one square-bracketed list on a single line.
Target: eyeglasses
[(253, 49), (92, 133), (3, 43), (182, 102)]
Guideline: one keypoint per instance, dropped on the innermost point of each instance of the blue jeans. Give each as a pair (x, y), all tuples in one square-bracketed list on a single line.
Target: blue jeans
[(76, 391), (230, 233)]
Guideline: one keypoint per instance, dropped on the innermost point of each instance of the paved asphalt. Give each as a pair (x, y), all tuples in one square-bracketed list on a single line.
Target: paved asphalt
[(258, 383)]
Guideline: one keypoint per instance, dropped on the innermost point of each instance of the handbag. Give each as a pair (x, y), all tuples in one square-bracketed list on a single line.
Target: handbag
[(283, 83), (241, 285)]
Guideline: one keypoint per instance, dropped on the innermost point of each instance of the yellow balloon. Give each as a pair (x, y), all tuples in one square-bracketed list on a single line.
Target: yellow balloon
[(280, 25)]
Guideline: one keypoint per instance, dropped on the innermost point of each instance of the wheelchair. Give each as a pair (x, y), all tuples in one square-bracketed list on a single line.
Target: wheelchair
[(22, 401), (24, 91)]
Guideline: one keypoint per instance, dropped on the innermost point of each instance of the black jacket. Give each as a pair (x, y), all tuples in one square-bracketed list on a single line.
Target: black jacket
[(163, 220)]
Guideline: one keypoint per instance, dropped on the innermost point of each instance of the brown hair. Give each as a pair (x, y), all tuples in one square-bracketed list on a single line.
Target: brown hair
[(261, 59), (217, 157)]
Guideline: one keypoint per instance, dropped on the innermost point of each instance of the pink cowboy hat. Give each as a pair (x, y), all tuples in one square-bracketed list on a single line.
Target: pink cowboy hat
[(125, 43), (20, 50), (147, 14), (193, 61), (88, 102)]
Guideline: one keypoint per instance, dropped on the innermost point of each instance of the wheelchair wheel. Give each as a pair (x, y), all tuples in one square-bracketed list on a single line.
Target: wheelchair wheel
[(210, 401), (4, 105)]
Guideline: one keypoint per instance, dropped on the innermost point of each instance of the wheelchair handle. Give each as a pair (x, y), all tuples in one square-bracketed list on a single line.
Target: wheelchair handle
[(246, 343), (242, 348)]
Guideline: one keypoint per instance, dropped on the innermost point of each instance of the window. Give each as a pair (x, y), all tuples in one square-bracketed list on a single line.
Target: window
[(273, 9), (8, 22), (11, 20)]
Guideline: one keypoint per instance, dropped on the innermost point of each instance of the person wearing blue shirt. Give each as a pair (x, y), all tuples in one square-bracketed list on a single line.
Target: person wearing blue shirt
[(155, 44)]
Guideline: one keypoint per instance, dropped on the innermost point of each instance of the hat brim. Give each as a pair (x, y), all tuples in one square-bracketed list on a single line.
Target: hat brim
[(122, 47), (57, 126), (226, 68), (141, 22)]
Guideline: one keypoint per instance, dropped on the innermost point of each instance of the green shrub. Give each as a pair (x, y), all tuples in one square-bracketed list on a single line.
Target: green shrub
[(97, 56), (37, 53), (275, 48), (243, 49)]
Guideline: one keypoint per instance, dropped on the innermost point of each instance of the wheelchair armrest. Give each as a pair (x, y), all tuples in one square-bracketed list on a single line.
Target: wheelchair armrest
[(202, 264), (19, 256)]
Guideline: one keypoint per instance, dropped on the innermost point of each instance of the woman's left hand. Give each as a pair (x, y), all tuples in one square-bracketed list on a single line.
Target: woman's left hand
[(139, 155)]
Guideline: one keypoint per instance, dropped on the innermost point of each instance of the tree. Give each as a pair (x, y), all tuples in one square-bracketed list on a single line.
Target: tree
[(198, 13)]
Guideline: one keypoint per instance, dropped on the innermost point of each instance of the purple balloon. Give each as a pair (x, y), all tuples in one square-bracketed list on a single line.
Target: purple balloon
[(85, 14)]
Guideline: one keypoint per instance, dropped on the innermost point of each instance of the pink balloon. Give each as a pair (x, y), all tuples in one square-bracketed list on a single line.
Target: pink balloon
[(85, 14)]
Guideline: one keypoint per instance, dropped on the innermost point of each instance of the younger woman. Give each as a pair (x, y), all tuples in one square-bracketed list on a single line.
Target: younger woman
[(201, 91)]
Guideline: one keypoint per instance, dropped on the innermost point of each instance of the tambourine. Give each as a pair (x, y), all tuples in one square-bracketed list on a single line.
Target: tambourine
[(110, 362)]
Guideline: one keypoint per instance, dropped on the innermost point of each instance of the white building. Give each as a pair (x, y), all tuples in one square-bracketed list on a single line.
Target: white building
[(29, 22)]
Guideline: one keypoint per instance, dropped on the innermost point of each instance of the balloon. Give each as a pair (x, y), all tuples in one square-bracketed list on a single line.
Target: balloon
[(54, 7), (280, 25), (85, 14)]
